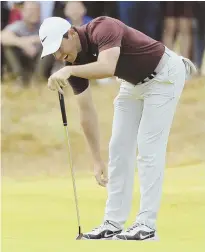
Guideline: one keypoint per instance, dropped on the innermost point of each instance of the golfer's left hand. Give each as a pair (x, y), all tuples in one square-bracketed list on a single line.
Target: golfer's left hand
[(100, 172), (58, 80)]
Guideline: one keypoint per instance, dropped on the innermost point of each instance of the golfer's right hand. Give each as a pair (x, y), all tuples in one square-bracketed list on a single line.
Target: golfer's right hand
[(100, 172)]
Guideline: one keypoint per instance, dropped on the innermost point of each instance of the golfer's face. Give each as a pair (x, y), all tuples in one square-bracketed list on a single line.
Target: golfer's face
[(67, 51)]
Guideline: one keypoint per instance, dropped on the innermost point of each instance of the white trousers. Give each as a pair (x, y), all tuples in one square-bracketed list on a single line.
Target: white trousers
[(143, 116)]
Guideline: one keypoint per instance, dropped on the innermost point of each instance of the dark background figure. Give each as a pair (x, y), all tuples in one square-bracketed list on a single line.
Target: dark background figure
[(4, 22), (59, 9), (142, 15), (199, 35), (163, 21), (127, 13), (178, 22), (76, 13)]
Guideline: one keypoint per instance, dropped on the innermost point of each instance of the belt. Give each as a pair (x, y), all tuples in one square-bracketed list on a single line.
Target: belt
[(150, 77), (164, 59)]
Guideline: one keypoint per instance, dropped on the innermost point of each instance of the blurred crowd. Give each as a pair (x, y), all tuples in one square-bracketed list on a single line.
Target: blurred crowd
[(179, 25)]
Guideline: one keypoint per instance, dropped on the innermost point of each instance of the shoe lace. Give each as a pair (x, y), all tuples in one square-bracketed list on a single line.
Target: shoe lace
[(101, 226), (133, 227)]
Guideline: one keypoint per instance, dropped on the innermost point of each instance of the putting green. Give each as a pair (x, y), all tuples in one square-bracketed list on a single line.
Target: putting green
[(38, 214)]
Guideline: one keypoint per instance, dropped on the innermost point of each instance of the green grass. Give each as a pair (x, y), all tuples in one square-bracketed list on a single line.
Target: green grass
[(38, 214)]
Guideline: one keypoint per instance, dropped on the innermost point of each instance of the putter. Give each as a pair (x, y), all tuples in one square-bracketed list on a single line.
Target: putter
[(64, 118)]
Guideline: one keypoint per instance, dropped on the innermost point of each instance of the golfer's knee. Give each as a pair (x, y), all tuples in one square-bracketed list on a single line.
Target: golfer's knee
[(149, 152), (146, 150), (119, 146)]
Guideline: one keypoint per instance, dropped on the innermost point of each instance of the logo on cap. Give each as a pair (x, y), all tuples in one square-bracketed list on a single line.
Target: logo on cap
[(43, 39)]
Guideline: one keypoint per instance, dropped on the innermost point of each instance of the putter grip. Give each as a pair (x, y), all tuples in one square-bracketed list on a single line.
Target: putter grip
[(62, 105)]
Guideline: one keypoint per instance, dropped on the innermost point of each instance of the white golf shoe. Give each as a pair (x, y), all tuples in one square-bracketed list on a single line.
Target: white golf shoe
[(137, 232), (106, 231)]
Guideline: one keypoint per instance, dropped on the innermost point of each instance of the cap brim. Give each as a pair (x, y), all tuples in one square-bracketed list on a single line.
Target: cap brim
[(50, 47)]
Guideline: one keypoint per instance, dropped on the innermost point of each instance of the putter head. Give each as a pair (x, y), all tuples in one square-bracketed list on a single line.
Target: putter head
[(79, 237)]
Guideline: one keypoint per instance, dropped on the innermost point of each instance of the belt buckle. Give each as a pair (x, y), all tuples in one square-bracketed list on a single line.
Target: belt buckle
[(150, 77)]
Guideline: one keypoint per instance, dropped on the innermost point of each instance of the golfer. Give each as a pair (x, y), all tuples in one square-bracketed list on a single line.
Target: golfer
[(153, 78)]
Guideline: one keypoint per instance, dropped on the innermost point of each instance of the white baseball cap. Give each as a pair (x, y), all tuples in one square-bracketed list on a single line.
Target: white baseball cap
[(51, 34)]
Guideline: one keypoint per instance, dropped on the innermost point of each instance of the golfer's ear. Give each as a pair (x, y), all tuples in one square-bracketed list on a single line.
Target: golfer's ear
[(71, 32)]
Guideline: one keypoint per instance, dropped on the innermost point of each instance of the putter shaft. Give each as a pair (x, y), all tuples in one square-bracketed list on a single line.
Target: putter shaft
[(73, 177), (65, 124)]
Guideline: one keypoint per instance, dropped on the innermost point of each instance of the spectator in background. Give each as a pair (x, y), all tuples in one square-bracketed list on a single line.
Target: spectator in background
[(178, 20), (4, 22), (75, 13), (110, 9), (199, 35), (47, 9), (147, 16), (58, 10), (141, 15), (126, 11), (22, 46), (15, 11)]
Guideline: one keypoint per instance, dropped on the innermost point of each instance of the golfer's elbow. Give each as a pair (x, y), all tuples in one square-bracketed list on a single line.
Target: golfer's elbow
[(108, 70), (110, 73)]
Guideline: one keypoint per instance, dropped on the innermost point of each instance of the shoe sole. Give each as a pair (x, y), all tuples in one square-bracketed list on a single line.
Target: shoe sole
[(156, 238), (103, 239)]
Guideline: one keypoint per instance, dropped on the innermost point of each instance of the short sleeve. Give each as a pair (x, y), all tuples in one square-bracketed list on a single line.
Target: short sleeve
[(78, 84), (107, 34)]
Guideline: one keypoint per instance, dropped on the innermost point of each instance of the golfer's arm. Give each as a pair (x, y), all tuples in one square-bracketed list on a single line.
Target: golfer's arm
[(104, 67), (9, 38), (89, 122)]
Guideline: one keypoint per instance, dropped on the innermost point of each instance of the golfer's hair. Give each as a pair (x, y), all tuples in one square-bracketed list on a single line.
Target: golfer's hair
[(66, 34)]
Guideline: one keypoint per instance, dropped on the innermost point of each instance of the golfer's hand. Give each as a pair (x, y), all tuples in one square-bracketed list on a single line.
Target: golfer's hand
[(58, 80), (31, 51), (28, 47), (100, 172)]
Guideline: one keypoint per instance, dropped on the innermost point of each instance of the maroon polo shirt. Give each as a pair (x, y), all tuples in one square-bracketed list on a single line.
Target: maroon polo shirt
[(139, 54)]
